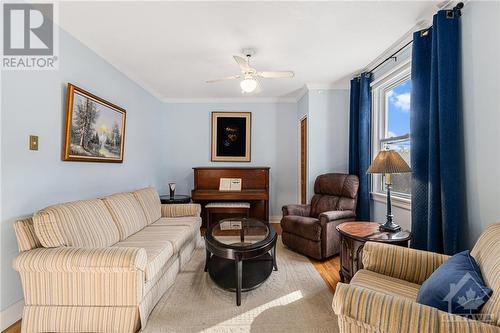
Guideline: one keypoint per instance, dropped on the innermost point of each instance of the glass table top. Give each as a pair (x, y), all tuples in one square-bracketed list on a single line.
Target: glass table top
[(240, 232)]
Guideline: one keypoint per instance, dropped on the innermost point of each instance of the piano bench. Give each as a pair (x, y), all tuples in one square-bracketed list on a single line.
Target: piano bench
[(230, 207)]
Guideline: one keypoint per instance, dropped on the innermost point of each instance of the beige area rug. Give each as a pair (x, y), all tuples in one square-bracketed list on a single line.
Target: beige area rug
[(293, 299)]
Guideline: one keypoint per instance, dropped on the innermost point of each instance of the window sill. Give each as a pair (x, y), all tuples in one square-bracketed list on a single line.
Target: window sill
[(396, 201)]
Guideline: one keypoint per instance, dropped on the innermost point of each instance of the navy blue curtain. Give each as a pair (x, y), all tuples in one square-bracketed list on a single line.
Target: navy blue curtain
[(435, 131), (359, 140)]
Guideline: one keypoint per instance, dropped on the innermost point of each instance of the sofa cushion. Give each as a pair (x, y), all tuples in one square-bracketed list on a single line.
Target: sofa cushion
[(193, 222), (150, 203), (306, 227), (85, 223), (178, 235), (127, 213), (158, 250), (385, 284), (456, 286)]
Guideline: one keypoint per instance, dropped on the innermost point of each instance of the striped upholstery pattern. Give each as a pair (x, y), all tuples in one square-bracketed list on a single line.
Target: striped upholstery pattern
[(85, 223), (378, 282), (369, 305), (25, 234), (180, 210), (71, 259), (401, 263), (127, 213), (193, 222), (363, 310), (82, 277), (487, 254), (80, 319), (158, 250), (80, 282), (150, 202)]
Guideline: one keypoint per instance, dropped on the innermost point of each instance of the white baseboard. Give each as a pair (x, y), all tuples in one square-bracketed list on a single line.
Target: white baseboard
[(10, 315), (275, 219)]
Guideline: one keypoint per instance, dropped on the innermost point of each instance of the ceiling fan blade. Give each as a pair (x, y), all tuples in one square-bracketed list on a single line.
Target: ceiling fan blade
[(258, 90), (233, 77), (242, 62), (275, 75)]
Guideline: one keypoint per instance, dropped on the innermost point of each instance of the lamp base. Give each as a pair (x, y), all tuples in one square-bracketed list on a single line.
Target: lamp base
[(392, 227)]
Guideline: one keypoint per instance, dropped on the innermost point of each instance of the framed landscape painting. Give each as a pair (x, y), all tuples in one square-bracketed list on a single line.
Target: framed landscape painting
[(95, 128), (231, 136)]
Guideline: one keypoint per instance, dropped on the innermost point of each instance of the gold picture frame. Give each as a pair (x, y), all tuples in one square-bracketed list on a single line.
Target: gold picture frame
[(231, 136), (95, 128)]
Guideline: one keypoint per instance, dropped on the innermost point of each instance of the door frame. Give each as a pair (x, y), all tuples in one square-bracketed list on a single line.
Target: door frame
[(299, 154)]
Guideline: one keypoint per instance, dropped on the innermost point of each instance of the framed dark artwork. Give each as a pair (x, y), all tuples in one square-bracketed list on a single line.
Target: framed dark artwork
[(95, 128), (231, 136)]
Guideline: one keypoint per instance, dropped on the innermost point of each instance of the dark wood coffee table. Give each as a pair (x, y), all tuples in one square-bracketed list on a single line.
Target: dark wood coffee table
[(354, 235), (241, 254)]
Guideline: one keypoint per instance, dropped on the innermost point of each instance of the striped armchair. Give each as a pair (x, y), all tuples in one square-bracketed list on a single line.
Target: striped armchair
[(368, 305)]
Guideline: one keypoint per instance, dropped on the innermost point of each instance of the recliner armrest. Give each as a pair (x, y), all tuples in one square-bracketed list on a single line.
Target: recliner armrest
[(297, 210), (335, 215)]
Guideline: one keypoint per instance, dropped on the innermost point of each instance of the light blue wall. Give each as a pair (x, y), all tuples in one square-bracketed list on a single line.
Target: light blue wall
[(481, 115), (328, 121), (327, 114), (274, 144), (33, 102)]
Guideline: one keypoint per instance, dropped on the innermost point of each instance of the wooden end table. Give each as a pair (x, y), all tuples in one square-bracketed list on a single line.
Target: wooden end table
[(354, 235)]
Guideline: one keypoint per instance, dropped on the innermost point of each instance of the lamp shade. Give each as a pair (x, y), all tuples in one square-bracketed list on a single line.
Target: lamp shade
[(388, 161)]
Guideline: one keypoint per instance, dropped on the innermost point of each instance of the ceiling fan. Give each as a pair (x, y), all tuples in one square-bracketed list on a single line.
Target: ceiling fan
[(250, 83)]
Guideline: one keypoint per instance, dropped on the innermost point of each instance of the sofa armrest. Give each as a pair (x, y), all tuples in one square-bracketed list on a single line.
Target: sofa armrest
[(72, 259), (335, 215), (378, 312), (400, 262), (180, 210), (297, 210)]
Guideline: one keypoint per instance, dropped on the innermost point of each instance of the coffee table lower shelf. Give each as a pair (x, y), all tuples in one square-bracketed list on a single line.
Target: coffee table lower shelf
[(254, 272)]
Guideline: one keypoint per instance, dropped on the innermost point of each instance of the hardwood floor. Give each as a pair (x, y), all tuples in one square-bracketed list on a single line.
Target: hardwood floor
[(15, 328), (328, 269)]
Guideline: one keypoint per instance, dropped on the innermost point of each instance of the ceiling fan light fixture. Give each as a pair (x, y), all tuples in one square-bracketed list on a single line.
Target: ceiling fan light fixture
[(248, 85)]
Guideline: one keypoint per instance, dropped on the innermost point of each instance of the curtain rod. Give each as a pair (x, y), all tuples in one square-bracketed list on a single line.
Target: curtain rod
[(457, 8)]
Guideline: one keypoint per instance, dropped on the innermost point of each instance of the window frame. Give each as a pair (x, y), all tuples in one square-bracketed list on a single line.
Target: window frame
[(379, 88)]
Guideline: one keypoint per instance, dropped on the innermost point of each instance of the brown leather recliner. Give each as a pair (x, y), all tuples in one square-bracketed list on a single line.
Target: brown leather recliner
[(310, 229)]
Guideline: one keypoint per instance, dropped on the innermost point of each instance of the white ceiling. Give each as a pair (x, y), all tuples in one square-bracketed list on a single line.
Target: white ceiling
[(171, 48)]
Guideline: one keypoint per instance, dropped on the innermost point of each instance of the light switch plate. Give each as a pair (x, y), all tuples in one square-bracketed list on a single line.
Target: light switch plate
[(33, 142)]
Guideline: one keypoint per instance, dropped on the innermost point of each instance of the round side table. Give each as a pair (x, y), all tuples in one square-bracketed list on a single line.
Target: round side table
[(177, 199), (354, 235)]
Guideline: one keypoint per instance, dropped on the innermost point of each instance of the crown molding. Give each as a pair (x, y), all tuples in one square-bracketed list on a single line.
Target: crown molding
[(218, 100), (328, 86)]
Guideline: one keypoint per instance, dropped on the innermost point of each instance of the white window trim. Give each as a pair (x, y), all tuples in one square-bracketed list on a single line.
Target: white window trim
[(392, 78)]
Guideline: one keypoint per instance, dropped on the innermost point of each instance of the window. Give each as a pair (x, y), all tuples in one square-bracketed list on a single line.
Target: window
[(391, 127)]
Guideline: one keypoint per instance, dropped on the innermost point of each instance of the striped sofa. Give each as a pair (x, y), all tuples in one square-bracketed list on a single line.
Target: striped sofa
[(381, 297), (101, 265)]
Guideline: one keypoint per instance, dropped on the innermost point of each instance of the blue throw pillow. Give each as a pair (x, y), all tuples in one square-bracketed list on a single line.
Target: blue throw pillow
[(456, 286)]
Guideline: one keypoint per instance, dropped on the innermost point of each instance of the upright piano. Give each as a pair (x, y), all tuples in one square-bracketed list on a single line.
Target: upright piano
[(254, 188)]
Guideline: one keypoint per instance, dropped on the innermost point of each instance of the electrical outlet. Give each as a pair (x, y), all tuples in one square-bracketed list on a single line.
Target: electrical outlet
[(33, 142)]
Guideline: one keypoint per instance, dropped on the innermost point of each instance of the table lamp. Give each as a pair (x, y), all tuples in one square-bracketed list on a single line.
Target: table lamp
[(388, 162)]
